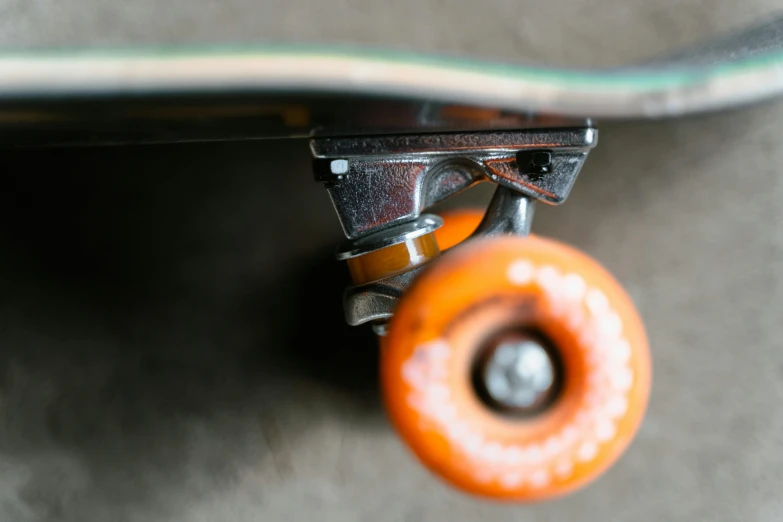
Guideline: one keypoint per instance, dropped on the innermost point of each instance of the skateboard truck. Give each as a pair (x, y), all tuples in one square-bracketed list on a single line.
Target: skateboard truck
[(379, 186)]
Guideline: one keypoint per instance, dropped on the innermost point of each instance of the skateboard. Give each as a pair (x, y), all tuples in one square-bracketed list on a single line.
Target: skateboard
[(513, 366)]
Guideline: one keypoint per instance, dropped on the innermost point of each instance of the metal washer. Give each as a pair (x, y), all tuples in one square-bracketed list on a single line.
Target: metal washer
[(424, 224)]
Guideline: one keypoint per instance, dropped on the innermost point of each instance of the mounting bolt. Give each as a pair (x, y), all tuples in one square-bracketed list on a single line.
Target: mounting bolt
[(330, 171), (534, 163)]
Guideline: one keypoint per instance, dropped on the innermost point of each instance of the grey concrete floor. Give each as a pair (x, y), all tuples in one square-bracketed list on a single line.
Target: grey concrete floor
[(552, 32), (165, 311)]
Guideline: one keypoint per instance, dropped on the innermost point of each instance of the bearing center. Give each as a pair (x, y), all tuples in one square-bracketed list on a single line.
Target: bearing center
[(517, 373)]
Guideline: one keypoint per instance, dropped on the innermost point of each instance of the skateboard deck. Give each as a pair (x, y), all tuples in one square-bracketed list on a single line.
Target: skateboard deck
[(157, 94)]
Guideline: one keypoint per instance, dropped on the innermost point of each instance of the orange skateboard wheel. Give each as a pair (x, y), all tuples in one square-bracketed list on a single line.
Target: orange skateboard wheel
[(472, 302), (458, 225)]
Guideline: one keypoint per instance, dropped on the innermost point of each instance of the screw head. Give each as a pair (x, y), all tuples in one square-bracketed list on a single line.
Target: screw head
[(518, 374), (534, 163), (541, 159)]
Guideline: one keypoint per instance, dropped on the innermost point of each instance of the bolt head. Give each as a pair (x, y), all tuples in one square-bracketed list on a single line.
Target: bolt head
[(519, 374)]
